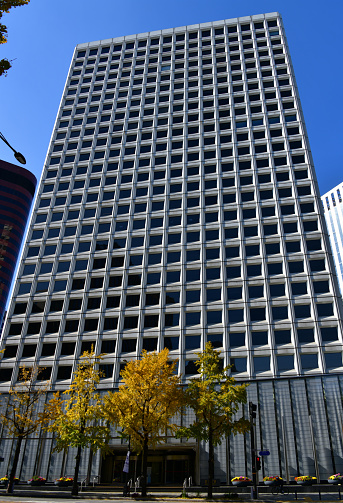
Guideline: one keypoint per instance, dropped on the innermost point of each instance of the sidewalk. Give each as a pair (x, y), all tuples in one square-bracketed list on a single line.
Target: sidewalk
[(23, 494)]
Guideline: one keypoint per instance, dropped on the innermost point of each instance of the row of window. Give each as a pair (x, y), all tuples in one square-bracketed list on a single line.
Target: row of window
[(191, 343), (191, 106), (180, 51), (284, 363), (204, 33), (262, 176), (192, 235), (239, 123), (228, 198), (191, 47), (191, 318), (210, 253), (151, 84), (253, 270), (207, 88), (177, 134), (193, 65), (235, 94), (250, 60), (179, 83), (177, 121), (176, 144), (180, 131), (191, 297), (210, 182), (246, 212), (219, 50), (140, 203), (206, 83), (128, 345), (207, 98), (207, 65), (191, 218), (237, 341), (161, 134), (174, 255), (255, 108), (272, 26), (231, 252), (205, 102), (127, 176), (190, 203), (252, 291)]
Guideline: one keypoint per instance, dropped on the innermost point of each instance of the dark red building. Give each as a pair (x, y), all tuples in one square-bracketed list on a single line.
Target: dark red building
[(17, 189)]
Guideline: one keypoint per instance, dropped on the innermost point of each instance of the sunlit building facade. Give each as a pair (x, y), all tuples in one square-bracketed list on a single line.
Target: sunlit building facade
[(333, 212), (179, 205)]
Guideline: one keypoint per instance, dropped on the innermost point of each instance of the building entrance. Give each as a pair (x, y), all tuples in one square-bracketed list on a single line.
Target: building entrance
[(164, 467)]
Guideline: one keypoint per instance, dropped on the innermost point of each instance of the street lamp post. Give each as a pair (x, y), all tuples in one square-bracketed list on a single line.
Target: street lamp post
[(20, 158)]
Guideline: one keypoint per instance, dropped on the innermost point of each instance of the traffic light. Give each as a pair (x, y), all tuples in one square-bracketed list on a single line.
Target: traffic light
[(252, 410), (258, 463)]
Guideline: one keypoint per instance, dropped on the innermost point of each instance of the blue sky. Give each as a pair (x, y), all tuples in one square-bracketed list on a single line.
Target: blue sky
[(43, 34)]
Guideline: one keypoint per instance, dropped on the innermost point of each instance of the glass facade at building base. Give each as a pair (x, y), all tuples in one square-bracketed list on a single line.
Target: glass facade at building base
[(298, 421)]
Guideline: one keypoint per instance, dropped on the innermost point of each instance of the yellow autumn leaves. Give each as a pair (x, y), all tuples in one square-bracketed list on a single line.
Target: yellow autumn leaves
[(5, 6), (144, 407)]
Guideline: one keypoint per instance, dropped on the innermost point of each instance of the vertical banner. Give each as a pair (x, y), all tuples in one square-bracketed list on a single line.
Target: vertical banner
[(127, 463)]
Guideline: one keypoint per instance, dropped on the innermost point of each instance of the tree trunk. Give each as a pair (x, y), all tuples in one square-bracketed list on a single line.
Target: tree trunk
[(75, 488), (210, 465), (14, 466), (145, 467)]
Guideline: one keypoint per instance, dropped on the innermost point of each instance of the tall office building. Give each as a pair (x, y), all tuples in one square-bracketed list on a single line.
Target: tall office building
[(179, 205), (17, 189), (333, 212)]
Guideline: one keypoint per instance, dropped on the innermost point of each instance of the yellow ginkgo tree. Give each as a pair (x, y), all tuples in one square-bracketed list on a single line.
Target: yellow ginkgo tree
[(24, 413), (215, 397), (147, 399), (75, 416)]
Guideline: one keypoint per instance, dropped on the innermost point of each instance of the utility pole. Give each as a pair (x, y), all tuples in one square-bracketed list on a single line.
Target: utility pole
[(252, 415)]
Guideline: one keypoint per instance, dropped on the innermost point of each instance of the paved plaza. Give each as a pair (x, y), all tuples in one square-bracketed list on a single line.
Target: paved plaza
[(46, 496)]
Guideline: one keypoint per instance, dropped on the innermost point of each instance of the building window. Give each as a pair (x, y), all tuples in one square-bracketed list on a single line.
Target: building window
[(261, 363), (238, 365), (333, 360), (309, 361), (285, 362)]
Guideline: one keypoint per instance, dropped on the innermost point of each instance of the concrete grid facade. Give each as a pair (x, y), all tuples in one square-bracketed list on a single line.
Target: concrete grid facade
[(179, 205), (333, 212)]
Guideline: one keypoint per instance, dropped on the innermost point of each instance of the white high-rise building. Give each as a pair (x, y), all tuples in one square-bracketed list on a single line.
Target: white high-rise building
[(333, 212), (179, 205)]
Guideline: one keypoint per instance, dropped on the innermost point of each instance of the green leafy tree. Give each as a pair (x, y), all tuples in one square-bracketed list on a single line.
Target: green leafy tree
[(25, 412), (215, 398), (5, 6), (149, 396), (76, 417)]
